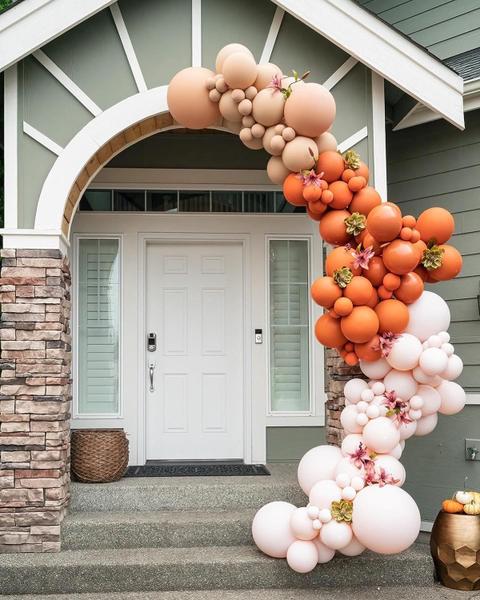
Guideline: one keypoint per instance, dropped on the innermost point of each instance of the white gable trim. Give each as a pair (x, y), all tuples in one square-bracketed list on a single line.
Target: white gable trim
[(42, 139), (340, 73), (196, 33), (355, 138), (272, 36), (11, 146)]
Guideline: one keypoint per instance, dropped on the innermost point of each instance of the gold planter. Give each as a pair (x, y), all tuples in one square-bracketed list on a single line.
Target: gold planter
[(455, 547)]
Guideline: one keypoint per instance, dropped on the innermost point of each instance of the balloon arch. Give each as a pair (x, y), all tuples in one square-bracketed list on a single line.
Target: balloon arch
[(377, 313)]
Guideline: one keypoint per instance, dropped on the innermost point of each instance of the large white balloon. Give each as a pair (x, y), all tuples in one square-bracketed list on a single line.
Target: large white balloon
[(381, 435), (324, 493), (426, 425), (353, 390), (325, 554), (302, 525), (392, 466), (454, 368), (302, 556), (405, 352), (385, 519), (336, 534), (452, 397), (428, 316), (376, 369), (317, 464), (271, 528), (431, 399), (402, 383)]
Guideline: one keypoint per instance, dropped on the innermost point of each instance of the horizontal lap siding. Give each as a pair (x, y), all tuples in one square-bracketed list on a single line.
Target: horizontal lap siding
[(436, 165)]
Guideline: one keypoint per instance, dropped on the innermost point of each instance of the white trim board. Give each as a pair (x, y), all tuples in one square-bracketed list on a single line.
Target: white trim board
[(11, 146), (272, 35), (355, 138), (379, 136), (196, 33), (340, 73), (42, 139)]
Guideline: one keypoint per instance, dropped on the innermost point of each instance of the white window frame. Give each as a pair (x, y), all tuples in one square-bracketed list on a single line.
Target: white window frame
[(118, 415)]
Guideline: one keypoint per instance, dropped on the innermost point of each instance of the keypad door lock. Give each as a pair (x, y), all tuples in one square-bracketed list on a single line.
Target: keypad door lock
[(152, 342)]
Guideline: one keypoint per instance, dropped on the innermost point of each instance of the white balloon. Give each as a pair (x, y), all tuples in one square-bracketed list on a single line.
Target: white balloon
[(427, 424), (433, 361), (406, 430), (348, 419), (301, 524), (429, 315), (302, 556), (325, 554), (271, 528), (385, 519), (402, 383), (336, 534), (353, 389), (392, 466), (317, 464), (354, 548), (346, 466), (454, 368), (351, 443), (376, 369), (324, 493), (452, 396), (431, 399), (405, 352), (381, 435)]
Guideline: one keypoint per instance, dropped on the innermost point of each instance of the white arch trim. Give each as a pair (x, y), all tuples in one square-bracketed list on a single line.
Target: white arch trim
[(84, 145)]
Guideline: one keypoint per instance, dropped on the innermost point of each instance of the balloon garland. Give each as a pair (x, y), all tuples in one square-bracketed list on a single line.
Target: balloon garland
[(377, 313)]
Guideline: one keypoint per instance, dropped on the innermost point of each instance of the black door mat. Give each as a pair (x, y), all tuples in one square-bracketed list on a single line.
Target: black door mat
[(197, 470)]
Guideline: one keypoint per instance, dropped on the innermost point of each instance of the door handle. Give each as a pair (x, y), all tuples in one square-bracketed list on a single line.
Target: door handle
[(151, 372)]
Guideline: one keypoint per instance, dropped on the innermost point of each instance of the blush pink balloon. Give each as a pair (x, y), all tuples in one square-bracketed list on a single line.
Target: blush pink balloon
[(271, 528), (406, 430), (426, 425), (405, 353), (401, 382), (433, 361), (431, 399), (336, 534), (323, 493), (325, 554), (316, 465), (188, 100), (347, 466), (302, 556), (353, 389), (310, 109), (454, 368), (302, 525), (385, 519), (348, 419), (351, 443), (354, 548), (376, 369), (392, 466), (381, 435), (452, 396)]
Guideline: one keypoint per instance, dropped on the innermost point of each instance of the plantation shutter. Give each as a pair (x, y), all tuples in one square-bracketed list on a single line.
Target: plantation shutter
[(98, 326), (289, 326)]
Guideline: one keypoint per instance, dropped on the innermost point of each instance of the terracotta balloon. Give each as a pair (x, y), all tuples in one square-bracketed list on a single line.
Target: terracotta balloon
[(227, 51), (239, 70), (293, 189), (229, 108), (265, 73), (365, 200), (310, 110), (400, 257), (384, 222), (341, 257), (360, 325), (325, 291), (376, 271), (369, 351), (392, 315), (359, 290), (331, 164), (268, 107), (299, 154), (435, 224), (342, 196), (411, 288), (332, 227), (188, 100), (326, 142), (276, 170), (451, 264), (328, 332)]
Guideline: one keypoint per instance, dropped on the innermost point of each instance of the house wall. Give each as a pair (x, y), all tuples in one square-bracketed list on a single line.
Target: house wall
[(436, 165), (444, 28)]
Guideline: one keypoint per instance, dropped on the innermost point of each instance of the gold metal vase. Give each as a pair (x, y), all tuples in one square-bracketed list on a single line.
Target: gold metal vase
[(455, 548)]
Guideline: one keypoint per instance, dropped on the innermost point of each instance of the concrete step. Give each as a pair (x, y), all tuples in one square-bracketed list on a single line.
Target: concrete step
[(400, 592), (205, 568), (189, 493), (83, 530)]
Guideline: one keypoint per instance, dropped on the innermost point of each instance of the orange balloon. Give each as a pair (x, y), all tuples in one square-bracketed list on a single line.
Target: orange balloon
[(420, 247), (363, 171), (359, 290), (325, 291), (392, 315), (409, 221), (333, 229), (317, 208), (406, 233), (347, 175), (435, 224), (365, 200), (343, 306), (384, 222), (348, 347), (342, 196), (411, 288), (415, 236), (360, 325), (312, 193), (331, 164), (451, 264), (370, 350), (373, 300), (328, 332), (341, 257), (351, 359), (188, 100), (383, 293), (376, 271), (391, 282), (355, 184), (400, 257), (293, 190)]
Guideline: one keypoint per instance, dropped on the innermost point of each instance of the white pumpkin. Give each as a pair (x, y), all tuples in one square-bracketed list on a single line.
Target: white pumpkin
[(463, 497)]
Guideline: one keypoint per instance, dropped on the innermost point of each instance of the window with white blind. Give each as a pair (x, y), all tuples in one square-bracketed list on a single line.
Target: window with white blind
[(98, 327), (289, 326)]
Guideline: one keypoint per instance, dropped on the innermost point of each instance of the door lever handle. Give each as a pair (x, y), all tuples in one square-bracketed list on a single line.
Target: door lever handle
[(151, 371)]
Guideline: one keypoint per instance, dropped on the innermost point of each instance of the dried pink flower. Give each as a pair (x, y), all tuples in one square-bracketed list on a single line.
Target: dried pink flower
[(276, 83), (397, 407), (363, 257), (311, 178), (386, 341)]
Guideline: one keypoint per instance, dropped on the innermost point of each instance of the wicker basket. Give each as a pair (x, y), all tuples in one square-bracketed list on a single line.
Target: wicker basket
[(99, 455)]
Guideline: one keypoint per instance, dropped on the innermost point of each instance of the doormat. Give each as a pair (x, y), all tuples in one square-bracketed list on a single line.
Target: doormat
[(197, 470)]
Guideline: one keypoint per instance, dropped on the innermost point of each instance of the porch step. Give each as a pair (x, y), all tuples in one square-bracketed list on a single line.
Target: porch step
[(83, 530), (189, 493), (199, 568)]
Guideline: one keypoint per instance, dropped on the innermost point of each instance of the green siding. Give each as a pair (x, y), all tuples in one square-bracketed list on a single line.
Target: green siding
[(446, 28), (289, 444), (437, 165)]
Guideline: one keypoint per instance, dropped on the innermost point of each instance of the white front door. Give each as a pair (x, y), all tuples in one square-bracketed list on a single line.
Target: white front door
[(194, 301)]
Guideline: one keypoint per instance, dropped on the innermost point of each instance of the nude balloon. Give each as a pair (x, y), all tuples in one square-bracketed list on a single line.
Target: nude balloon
[(452, 396), (299, 154), (317, 464), (385, 519), (271, 528), (227, 51), (381, 435), (276, 170), (310, 110), (265, 74), (267, 107), (302, 556), (229, 108), (188, 101), (376, 369), (405, 353), (325, 142), (239, 70)]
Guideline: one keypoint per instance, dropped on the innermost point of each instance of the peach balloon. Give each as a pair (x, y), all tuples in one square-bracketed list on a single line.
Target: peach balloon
[(297, 154), (326, 142), (265, 73), (310, 110), (227, 51), (254, 143), (276, 170), (267, 141), (229, 108), (233, 126), (268, 107), (239, 70), (188, 101)]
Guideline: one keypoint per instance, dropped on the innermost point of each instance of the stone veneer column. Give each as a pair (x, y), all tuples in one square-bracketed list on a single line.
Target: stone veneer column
[(34, 399), (338, 373)]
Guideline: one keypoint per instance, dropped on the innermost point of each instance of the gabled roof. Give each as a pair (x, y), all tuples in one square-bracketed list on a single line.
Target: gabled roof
[(30, 24)]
